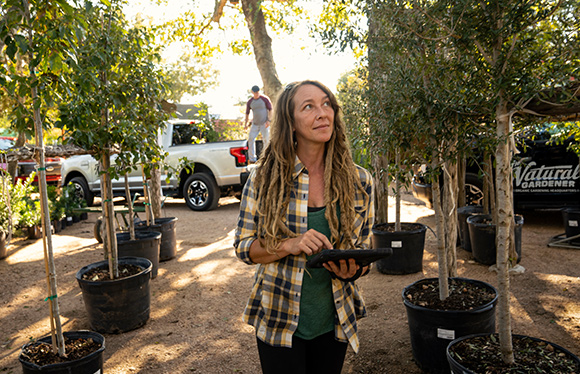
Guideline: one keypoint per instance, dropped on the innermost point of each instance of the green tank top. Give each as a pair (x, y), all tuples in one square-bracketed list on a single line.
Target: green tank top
[(317, 311)]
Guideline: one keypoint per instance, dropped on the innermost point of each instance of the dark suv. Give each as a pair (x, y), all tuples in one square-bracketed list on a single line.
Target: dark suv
[(546, 176)]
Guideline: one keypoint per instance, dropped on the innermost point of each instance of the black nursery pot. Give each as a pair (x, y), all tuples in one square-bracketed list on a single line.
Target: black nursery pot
[(482, 236), (146, 244), (571, 218), (167, 227), (407, 244), (462, 214), (458, 368), (90, 364), (432, 330), (118, 305)]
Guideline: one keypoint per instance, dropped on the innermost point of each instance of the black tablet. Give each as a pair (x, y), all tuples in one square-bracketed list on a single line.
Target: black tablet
[(363, 257)]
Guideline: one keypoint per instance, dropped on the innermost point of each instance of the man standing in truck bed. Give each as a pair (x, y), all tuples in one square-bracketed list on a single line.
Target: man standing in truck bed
[(261, 107)]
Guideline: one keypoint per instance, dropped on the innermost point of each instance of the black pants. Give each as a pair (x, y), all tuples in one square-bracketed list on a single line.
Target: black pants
[(321, 355)]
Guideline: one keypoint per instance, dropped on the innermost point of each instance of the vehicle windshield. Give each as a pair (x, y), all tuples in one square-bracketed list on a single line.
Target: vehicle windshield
[(6, 143)]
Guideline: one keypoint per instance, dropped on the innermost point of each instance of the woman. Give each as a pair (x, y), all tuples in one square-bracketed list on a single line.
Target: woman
[(305, 195)]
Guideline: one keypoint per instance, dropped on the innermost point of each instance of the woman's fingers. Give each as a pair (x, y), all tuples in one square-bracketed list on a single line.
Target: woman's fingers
[(344, 269), (311, 242)]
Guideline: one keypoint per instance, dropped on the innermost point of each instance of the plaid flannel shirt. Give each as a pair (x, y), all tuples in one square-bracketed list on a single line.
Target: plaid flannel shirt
[(274, 304)]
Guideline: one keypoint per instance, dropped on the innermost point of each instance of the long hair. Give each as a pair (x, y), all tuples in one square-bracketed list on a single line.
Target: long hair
[(275, 168)]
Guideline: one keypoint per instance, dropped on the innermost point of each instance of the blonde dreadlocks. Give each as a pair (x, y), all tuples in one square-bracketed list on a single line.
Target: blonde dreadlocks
[(274, 175)]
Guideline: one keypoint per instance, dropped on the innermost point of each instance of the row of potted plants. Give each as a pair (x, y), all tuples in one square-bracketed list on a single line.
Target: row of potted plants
[(25, 211), (107, 102)]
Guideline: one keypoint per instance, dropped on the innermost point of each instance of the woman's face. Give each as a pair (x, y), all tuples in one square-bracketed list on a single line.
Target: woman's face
[(313, 115)]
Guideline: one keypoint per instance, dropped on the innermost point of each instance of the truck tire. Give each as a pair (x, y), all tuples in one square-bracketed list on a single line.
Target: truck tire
[(82, 190), (473, 189), (201, 192)]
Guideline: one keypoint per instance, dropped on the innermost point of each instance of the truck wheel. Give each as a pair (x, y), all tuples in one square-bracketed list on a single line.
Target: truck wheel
[(201, 192), (473, 189), (82, 190)]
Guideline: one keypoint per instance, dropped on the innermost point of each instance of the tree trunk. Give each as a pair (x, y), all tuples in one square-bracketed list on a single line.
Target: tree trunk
[(262, 44), (58, 344), (382, 188), (449, 211), (439, 219), (398, 192), (461, 165), (504, 226), (156, 193), (489, 187), (129, 207), (110, 240)]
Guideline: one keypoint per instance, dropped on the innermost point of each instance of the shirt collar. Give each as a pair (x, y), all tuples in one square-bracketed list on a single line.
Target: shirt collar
[(298, 168)]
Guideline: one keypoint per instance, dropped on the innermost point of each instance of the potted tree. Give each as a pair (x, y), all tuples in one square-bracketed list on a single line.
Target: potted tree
[(392, 137), (27, 31), (423, 99), (129, 88), (502, 78)]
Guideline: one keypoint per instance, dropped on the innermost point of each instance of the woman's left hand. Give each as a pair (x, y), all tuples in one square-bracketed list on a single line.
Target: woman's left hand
[(345, 269)]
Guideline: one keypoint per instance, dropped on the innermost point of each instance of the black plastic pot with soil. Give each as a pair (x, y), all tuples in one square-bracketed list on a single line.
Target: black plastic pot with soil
[(433, 324), (84, 349), (146, 244), (571, 217), (167, 227), (117, 305), (482, 236), (408, 246), (473, 354), (463, 214)]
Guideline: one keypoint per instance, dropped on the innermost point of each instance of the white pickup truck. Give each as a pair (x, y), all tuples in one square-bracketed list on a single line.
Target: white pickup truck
[(220, 169)]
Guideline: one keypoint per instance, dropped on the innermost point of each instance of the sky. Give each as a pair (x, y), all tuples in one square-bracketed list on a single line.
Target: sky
[(297, 57)]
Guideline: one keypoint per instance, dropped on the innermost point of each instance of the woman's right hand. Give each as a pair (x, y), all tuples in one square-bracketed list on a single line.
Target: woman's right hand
[(309, 243)]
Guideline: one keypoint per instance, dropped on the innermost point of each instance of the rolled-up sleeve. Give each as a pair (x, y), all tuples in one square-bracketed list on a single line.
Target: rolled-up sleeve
[(246, 230)]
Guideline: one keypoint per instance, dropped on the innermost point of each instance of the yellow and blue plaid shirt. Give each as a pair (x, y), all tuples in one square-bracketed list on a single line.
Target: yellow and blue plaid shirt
[(274, 304)]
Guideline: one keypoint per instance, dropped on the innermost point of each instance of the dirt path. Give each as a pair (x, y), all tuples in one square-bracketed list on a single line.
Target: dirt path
[(198, 297)]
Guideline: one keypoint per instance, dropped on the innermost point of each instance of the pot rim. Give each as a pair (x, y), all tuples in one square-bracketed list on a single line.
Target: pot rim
[(479, 309), (125, 259), (91, 333), (422, 227), (465, 337)]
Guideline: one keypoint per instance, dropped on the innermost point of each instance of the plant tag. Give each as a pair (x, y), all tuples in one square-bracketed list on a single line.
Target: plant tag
[(446, 334), (69, 219), (97, 372), (573, 223), (397, 244)]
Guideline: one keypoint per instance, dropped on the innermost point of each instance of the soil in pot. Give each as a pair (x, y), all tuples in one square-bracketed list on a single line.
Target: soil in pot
[(408, 246), (84, 350), (481, 354), (433, 324)]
